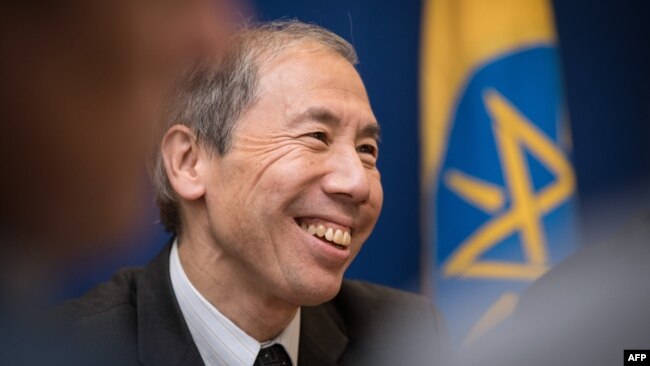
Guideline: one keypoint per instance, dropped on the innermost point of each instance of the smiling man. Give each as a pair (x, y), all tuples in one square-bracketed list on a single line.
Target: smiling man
[(267, 175)]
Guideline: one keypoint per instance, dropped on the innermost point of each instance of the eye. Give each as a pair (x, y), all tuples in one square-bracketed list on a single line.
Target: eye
[(319, 135), (367, 149)]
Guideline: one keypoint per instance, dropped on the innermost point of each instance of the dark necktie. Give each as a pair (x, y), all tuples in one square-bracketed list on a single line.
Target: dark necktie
[(274, 355)]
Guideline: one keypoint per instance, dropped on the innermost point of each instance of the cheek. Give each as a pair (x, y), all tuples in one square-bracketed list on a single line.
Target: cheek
[(376, 200), (286, 177), (226, 203), (370, 211), (257, 189)]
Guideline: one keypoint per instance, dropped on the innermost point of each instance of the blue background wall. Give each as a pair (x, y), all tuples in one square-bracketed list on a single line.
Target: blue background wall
[(605, 53)]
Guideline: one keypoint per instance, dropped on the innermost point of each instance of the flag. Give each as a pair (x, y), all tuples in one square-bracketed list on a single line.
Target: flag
[(498, 186)]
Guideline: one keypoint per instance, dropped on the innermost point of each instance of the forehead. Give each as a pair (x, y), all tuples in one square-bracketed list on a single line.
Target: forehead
[(310, 75)]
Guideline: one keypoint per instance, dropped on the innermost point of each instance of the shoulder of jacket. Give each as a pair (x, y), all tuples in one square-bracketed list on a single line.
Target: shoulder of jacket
[(114, 296)]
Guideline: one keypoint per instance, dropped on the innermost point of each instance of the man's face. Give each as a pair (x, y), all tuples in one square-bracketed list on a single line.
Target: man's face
[(303, 159)]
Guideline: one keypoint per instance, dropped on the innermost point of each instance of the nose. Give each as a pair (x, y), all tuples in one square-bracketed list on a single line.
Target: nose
[(347, 176)]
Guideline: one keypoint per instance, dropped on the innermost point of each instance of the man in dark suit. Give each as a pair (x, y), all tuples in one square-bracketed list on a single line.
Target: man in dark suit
[(266, 172)]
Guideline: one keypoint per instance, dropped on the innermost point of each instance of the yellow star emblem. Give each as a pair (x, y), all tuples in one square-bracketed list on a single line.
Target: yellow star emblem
[(514, 134)]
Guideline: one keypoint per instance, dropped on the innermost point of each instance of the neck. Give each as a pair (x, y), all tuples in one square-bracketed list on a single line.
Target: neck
[(230, 289)]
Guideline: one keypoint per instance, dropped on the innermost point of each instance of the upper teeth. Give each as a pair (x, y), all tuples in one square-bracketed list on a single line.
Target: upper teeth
[(337, 236)]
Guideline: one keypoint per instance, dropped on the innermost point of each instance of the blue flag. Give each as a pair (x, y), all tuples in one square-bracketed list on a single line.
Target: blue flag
[(497, 180)]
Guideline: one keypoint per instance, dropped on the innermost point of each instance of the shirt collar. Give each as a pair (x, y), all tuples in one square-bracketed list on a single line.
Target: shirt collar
[(218, 339)]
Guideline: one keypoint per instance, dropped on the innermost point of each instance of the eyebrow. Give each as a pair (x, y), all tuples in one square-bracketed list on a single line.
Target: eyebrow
[(372, 131), (328, 117)]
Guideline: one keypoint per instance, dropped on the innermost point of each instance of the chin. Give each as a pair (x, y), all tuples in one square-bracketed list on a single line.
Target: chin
[(317, 292)]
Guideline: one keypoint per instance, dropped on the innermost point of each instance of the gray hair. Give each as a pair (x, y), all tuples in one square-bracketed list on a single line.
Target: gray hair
[(210, 98)]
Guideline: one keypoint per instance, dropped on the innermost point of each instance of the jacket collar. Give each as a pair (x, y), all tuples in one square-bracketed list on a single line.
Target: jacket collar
[(322, 336), (163, 336)]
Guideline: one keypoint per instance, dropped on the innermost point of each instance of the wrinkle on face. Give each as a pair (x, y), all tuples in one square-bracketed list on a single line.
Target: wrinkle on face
[(265, 152), (276, 169)]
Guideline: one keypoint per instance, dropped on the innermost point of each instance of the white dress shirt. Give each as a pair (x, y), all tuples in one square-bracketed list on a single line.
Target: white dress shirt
[(219, 340)]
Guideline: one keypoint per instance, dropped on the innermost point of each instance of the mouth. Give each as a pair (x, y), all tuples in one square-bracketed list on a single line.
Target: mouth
[(335, 235)]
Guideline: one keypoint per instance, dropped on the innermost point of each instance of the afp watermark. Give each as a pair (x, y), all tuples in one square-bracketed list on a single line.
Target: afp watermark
[(636, 357)]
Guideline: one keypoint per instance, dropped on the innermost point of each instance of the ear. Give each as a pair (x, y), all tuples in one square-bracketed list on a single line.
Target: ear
[(183, 161)]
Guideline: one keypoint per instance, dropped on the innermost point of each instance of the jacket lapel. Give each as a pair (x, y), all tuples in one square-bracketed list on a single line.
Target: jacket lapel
[(322, 339), (165, 340), (163, 336)]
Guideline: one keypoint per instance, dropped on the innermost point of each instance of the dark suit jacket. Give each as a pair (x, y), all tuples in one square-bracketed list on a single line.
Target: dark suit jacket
[(135, 319)]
